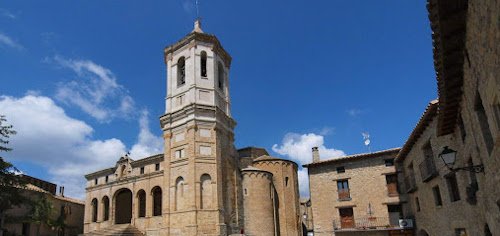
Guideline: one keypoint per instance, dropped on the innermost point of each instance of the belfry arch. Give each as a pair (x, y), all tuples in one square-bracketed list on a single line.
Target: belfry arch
[(123, 206)]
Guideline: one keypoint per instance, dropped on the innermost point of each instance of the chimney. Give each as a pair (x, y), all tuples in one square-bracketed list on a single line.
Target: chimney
[(62, 191), (315, 152)]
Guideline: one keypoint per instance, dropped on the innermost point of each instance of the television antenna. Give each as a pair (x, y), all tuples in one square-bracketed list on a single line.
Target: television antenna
[(366, 138)]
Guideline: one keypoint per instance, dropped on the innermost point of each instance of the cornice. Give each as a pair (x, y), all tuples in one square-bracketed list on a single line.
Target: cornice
[(191, 38)]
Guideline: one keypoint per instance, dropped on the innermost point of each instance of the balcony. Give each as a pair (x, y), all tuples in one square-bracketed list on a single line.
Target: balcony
[(410, 183), (428, 169), (344, 195), (392, 190), (363, 223)]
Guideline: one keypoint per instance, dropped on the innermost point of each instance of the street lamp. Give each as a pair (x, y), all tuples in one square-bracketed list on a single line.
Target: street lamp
[(449, 156)]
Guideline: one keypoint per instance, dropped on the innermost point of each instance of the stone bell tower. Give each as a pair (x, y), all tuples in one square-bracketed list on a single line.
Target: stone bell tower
[(201, 178)]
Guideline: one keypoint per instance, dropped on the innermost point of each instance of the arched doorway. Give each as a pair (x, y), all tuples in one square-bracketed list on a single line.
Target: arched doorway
[(123, 206)]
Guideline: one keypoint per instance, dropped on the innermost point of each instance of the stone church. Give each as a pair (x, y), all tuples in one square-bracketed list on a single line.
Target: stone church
[(201, 184)]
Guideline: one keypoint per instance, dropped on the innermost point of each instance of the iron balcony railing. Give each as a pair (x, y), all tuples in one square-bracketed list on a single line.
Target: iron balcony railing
[(428, 169), (364, 223), (410, 183)]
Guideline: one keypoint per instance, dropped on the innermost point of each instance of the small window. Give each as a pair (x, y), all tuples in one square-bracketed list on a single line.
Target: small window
[(203, 62), (460, 232), (389, 162), (462, 128), (179, 153), (157, 166), (181, 71), (343, 189), (483, 123), (220, 77), (286, 181), (107, 179), (340, 169), (95, 181), (437, 196), (453, 190), (496, 110), (417, 204), (142, 170)]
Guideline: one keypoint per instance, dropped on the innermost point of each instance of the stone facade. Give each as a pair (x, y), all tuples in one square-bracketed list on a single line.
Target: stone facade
[(196, 187), (64, 210), (307, 216), (355, 195), (466, 119)]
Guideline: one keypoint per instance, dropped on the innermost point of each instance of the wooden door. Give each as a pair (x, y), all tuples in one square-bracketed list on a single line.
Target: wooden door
[(346, 218)]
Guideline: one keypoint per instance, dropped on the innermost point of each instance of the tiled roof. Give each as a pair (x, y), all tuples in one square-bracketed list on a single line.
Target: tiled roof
[(428, 115), (270, 158), (448, 24), (353, 157)]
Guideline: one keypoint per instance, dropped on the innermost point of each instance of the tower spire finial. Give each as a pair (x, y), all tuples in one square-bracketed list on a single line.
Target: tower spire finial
[(197, 26), (197, 22)]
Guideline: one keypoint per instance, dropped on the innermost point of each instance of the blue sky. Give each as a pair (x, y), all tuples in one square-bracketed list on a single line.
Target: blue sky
[(84, 81)]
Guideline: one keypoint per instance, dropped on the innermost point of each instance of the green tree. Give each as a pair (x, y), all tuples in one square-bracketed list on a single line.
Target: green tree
[(41, 212), (10, 183)]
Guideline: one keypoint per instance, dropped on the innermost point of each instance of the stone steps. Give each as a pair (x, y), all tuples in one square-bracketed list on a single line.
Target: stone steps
[(117, 230)]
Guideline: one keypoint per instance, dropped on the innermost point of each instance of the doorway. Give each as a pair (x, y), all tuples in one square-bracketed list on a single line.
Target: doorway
[(395, 213), (346, 218), (123, 206)]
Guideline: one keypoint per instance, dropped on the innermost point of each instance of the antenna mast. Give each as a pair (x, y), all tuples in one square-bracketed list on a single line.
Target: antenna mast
[(197, 9)]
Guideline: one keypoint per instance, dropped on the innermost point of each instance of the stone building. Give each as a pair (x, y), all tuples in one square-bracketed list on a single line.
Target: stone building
[(461, 198), (200, 185), (307, 216), (356, 195), (67, 213)]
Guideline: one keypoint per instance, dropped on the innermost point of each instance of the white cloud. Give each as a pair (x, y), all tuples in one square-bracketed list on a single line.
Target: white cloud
[(9, 42), (297, 147), (147, 143), (303, 182), (97, 92), (62, 145), (354, 112), (7, 14)]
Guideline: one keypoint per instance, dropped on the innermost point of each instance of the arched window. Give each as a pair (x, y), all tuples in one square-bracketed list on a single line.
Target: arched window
[(206, 191), (94, 210), (220, 76), (181, 71), (203, 62), (286, 181), (179, 193), (105, 206), (141, 197), (156, 201)]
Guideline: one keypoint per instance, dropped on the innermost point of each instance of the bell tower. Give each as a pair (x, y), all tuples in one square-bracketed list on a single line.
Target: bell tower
[(201, 177)]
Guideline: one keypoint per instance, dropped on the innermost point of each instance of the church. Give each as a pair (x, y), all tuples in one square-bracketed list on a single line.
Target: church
[(201, 184)]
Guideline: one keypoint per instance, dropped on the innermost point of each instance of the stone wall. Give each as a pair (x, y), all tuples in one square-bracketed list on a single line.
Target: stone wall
[(258, 198), (367, 189), (285, 181), (476, 138)]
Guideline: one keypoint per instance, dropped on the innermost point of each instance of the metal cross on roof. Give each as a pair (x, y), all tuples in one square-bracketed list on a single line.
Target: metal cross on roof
[(197, 9)]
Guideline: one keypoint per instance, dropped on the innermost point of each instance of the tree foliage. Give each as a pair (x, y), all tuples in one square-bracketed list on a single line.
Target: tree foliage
[(10, 183), (41, 213)]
